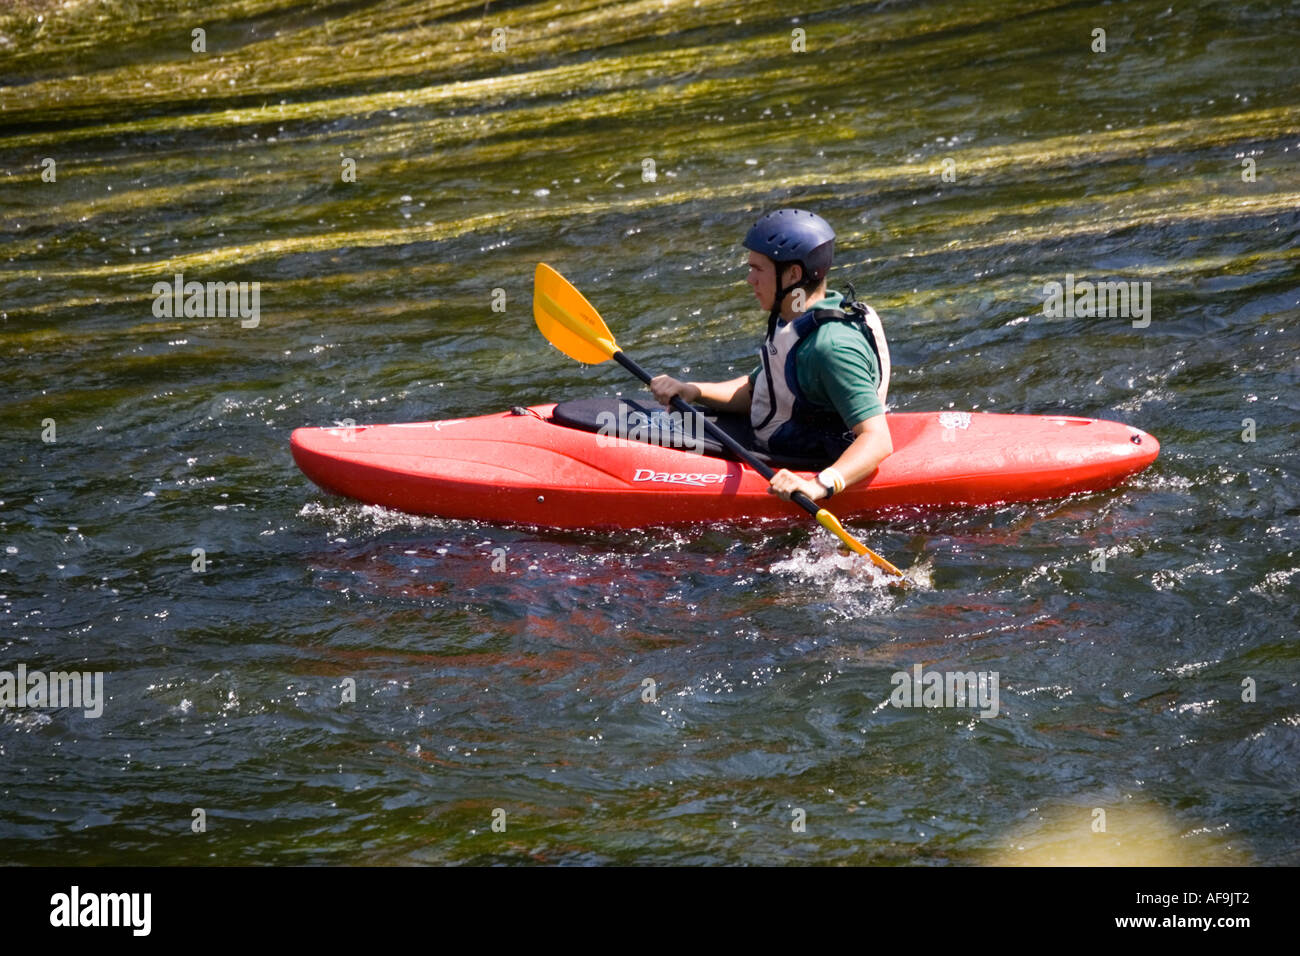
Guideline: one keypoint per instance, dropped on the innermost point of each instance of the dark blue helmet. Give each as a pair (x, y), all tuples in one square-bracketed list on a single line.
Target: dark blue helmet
[(794, 235)]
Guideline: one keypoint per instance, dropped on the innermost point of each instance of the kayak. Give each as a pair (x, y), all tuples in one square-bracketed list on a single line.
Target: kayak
[(564, 466)]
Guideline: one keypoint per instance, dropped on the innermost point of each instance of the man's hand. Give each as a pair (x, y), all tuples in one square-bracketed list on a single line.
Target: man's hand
[(872, 444), (665, 387), (786, 483)]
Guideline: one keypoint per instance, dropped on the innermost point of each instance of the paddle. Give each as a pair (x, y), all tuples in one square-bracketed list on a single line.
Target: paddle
[(573, 326)]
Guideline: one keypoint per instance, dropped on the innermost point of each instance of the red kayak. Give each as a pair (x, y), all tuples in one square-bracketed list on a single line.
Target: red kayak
[(530, 466)]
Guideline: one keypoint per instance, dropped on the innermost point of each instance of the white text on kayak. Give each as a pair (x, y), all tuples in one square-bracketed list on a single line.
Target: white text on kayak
[(102, 909), (923, 688), (36, 689), (671, 429), (678, 478), (211, 300), (1087, 300)]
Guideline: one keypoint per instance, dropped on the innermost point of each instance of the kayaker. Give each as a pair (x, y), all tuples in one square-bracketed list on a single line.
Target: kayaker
[(820, 389)]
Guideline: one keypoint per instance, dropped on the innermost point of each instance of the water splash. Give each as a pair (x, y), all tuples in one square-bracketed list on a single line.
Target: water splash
[(369, 519), (855, 586)]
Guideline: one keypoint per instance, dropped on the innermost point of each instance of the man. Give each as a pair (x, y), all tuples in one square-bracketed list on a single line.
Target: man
[(821, 387)]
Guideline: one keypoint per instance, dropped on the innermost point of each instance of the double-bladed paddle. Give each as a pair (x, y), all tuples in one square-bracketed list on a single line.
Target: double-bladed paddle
[(573, 326)]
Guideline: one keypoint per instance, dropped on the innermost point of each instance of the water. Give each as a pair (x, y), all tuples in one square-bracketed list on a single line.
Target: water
[(771, 657)]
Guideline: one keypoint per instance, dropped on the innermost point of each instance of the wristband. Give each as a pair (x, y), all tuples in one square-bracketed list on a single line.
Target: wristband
[(831, 480)]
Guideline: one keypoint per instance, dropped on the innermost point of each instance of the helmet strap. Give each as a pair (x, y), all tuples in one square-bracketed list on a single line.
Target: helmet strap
[(781, 293)]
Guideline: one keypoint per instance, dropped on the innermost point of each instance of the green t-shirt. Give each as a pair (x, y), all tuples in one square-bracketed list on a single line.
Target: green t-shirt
[(836, 367)]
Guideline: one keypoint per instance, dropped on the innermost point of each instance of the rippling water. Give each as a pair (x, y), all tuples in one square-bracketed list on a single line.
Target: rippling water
[(771, 657)]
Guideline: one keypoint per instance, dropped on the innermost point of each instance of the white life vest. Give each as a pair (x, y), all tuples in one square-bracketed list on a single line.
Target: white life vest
[(783, 419)]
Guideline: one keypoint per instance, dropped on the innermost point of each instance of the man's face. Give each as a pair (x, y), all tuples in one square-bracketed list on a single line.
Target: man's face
[(762, 277)]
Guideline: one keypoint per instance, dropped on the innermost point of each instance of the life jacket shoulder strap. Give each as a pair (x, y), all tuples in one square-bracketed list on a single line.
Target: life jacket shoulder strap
[(857, 315), (820, 316)]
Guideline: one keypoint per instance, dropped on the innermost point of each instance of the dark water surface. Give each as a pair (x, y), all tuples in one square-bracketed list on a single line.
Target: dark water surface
[(477, 690)]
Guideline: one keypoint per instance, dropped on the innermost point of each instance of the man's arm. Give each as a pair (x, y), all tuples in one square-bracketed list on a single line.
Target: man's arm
[(872, 444), (732, 396)]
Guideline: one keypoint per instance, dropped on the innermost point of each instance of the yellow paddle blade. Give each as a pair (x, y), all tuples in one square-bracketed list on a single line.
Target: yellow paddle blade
[(832, 524), (568, 320)]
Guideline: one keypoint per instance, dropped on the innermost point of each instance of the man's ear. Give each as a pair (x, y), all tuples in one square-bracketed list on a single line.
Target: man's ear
[(793, 275)]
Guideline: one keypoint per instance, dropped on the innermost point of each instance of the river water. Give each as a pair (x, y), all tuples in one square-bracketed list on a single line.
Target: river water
[(700, 695)]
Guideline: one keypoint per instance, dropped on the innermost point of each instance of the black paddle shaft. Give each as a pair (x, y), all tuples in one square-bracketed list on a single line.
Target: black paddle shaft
[(717, 434)]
